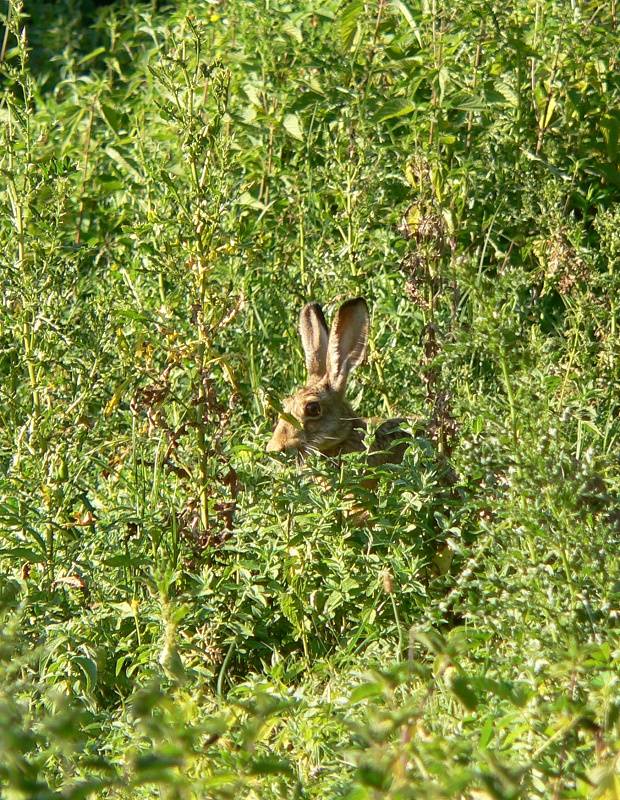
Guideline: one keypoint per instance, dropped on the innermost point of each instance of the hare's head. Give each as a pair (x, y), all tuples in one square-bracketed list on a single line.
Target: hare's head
[(317, 417)]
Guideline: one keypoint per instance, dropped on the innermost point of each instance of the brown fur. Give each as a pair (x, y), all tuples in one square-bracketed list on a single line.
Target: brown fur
[(317, 418)]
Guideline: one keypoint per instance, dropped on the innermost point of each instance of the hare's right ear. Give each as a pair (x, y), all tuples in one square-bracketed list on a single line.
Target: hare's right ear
[(314, 336), (347, 341)]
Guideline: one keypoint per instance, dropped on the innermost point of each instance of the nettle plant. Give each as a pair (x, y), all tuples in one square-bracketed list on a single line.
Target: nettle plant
[(175, 185), (187, 243), (167, 306)]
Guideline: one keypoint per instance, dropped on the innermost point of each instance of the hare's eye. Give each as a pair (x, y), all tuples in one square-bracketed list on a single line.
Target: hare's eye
[(312, 409)]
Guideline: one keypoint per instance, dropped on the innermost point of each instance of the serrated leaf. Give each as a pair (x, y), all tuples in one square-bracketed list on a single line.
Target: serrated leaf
[(508, 93), (127, 165), (248, 114), (398, 107), (347, 22), (289, 607), (125, 609), (111, 116), (88, 668), (293, 126), (292, 30), (464, 102), (315, 84), (253, 94), (246, 199), (408, 15), (24, 553)]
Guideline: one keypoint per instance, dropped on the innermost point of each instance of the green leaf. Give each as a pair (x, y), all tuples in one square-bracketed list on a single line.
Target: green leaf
[(120, 663), (347, 22), (466, 102), (24, 553), (517, 694), (408, 15), (86, 788), (292, 30), (270, 765), (399, 107), (373, 775), (219, 780), (125, 609), (293, 125), (550, 110), (357, 793), (124, 560), (365, 691), (89, 669), (509, 94), (461, 688), (157, 762), (443, 77), (127, 165), (486, 734), (111, 116), (248, 200), (89, 56), (289, 606), (253, 94)]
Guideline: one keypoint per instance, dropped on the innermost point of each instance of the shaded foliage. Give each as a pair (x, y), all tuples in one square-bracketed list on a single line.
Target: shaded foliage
[(186, 616)]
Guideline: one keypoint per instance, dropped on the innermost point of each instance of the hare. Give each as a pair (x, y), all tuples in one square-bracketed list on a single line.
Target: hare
[(317, 418)]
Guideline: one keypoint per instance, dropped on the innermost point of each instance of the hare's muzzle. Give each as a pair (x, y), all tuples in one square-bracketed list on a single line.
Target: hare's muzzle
[(274, 445), (285, 437)]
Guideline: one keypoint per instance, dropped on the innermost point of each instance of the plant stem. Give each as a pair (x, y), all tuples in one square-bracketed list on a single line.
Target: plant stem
[(399, 628), (89, 129), (509, 393)]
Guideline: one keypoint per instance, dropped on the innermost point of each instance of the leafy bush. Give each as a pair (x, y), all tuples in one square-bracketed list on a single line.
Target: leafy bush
[(184, 615)]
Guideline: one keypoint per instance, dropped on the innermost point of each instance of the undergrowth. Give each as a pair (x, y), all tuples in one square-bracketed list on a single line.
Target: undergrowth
[(185, 615)]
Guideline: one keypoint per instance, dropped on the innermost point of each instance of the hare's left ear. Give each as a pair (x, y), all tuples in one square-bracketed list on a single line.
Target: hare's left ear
[(314, 336), (347, 342)]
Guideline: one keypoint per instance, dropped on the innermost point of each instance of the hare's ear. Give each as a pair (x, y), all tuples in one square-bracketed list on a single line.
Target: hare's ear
[(347, 342), (314, 337)]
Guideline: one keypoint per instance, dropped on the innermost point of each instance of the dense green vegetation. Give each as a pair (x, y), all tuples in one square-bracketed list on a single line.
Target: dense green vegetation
[(183, 615)]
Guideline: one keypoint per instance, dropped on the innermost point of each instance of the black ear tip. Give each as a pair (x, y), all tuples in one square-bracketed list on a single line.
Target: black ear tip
[(360, 302)]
